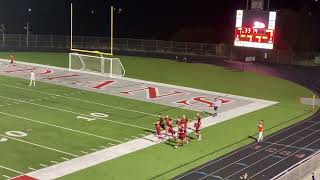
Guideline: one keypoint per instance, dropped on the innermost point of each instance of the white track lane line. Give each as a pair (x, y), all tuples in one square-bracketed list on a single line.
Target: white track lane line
[(260, 150), (61, 127), (285, 157), (76, 113), (241, 149), (86, 101), (12, 170), (38, 145)]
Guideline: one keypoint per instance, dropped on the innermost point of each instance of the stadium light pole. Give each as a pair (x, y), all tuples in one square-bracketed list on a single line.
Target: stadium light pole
[(27, 28)]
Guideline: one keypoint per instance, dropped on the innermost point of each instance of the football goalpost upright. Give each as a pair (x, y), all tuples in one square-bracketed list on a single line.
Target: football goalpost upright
[(94, 61)]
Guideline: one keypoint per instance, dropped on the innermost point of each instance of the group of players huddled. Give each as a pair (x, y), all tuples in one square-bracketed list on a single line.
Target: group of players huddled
[(179, 135)]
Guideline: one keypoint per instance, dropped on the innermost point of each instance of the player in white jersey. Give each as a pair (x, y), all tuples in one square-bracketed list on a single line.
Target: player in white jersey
[(216, 104), (32, 79)]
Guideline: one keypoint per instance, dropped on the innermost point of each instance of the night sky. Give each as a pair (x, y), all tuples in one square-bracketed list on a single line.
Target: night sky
[(188, 20)]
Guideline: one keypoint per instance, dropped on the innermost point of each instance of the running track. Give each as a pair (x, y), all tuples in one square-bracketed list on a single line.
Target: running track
[(278, 152)]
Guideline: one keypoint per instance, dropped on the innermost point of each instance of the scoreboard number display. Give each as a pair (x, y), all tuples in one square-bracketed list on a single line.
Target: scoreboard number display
[(255, 29)]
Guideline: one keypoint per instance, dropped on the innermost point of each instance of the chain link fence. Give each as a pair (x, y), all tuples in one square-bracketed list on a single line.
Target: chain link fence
[(302, 169), (169, 48)]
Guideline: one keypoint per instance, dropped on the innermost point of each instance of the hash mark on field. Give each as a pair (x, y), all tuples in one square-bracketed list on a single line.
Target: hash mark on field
[(103, 146), (55, 162), (141, 135), (94, 149), (135, 137), (64, 158), (111, 144), (128, 139), (8, 177), (43, 165), (84, 152), (33, 169)]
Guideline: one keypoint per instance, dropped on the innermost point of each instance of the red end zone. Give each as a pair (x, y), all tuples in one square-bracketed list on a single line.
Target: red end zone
[(24, 177)]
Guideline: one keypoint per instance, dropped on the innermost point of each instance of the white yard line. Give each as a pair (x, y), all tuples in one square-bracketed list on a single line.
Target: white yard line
[(8, 177), (81, 100), (55, 162), (9, 169), (60, 127), (38, 145), (76, 113)]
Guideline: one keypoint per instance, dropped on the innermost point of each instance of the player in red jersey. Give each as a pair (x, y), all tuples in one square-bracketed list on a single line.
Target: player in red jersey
[(181, 137), (158, 130), (169, 128), (185, 122), (11, 57), (178, 122), (197, 126)]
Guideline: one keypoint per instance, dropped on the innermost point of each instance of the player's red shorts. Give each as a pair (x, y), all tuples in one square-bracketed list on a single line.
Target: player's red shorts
[(158, 132), (171, 131), (197, 127)]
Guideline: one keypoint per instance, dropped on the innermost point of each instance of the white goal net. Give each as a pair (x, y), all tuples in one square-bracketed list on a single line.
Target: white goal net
[(96, 64)]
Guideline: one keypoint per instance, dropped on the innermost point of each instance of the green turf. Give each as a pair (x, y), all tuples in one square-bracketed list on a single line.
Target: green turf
[(160, 161)]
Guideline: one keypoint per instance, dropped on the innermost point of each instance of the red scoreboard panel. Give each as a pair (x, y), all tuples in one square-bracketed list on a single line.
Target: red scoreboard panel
[(255, 29)]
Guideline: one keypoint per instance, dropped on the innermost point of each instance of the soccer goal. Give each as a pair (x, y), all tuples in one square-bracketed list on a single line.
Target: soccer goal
[(111, 67)]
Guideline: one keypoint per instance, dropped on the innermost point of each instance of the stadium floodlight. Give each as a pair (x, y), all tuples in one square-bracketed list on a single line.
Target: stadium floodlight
[(111, 67)]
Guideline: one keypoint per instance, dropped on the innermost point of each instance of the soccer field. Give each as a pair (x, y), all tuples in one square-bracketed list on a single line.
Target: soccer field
[(49, 124)]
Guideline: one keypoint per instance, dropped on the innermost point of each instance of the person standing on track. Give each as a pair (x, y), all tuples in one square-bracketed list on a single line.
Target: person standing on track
[(32, 79), (260, 130)]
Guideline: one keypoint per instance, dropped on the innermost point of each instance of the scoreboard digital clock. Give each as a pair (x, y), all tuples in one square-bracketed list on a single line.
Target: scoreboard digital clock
[(255, 29)]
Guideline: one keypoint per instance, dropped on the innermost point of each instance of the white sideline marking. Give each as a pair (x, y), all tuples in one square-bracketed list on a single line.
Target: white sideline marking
[(33, 169), (8, 177), (116, 151), (43, 165), (38, 145), (81, 100), (55, 162), (65, 158), (63, 110), (56, 126), (12, 170)]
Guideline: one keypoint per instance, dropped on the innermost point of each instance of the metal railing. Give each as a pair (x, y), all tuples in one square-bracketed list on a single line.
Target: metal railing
[(301, 169), (172, 48)]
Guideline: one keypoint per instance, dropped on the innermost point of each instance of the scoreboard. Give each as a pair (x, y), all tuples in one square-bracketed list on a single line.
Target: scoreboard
[(255, 29)]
